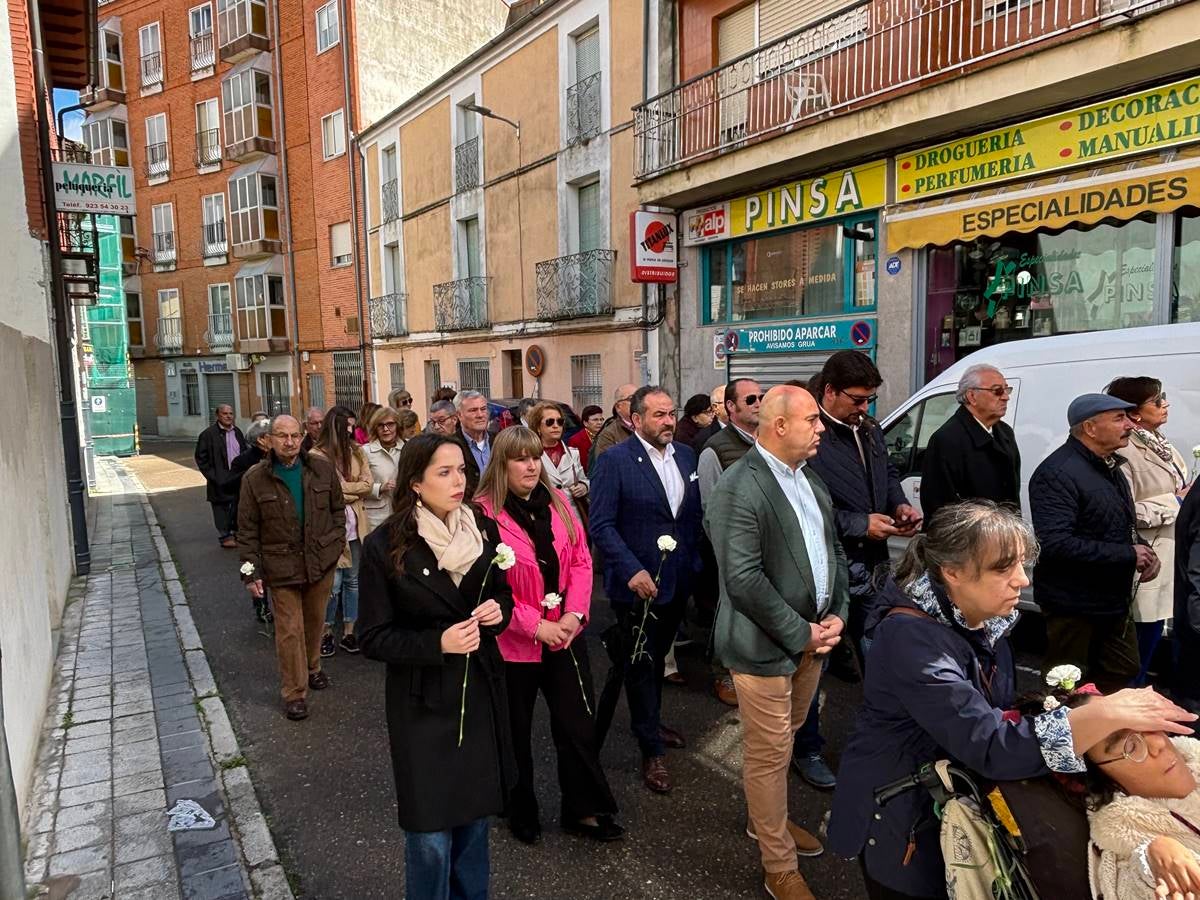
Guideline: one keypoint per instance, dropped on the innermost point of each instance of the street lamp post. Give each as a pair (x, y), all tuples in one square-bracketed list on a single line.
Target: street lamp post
[(486, 113)]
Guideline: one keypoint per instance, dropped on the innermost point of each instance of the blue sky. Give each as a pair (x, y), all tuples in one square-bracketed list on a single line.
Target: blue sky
[(74, 119)]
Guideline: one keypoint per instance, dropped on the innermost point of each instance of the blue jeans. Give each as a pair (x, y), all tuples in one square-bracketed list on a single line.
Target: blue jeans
[(440, 865), (808, 740), (1148, 636), (345, 585)]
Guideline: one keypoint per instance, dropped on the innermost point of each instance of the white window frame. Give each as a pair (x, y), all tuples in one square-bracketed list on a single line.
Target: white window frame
[(245, 85), (252, 298), (213, 203), (229, 310), (244, 214), (100, 137), (152, 126), (346, 259), (157, 217), (191, 20), (154, 28), (333, 126), (332, 18)]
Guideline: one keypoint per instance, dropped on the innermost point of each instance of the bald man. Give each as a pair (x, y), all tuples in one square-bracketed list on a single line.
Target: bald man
[(291, 531), (784, 602), (216, 448), (619, 427)]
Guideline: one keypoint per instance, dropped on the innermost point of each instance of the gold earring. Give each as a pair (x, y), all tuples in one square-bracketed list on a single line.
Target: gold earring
[(419, 500)]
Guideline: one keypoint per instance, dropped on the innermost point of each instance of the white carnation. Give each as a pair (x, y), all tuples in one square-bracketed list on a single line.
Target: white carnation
[(505, 557), (1050, 704), (552, 601), (666, 543), (1065, 677), (247, 569)]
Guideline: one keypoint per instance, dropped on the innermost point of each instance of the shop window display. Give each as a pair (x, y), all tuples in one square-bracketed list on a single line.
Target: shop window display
[(1185, 286), (1033, 285)]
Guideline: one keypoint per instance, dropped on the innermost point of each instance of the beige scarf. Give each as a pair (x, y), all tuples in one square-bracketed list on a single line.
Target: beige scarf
[(456, 543)]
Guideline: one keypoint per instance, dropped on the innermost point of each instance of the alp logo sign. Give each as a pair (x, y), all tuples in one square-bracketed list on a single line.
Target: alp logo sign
[(652, 252)]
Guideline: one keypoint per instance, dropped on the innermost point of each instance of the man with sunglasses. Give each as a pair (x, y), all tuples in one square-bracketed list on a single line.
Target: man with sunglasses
[(974, 455)]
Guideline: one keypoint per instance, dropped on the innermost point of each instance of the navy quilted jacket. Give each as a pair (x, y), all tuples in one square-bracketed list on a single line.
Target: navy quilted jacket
[(857, 492), (1084, 519)]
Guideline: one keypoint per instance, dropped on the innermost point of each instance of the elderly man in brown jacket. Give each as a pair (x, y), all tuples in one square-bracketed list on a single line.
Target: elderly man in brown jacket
[(291, 530)]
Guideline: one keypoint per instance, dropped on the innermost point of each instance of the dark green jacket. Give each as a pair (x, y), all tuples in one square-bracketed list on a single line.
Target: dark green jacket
[(767, 588)]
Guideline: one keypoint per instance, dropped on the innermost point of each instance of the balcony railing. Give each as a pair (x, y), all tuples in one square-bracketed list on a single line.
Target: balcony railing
[(461, 305), (152, 69), (169, 338), (466, 165), (204, 52), (213, 241), (848, 60), (208, 148), (391, 201), (389, 315), (576, 286), (219, 335), (164, 247), (583, 110), (158, 162)]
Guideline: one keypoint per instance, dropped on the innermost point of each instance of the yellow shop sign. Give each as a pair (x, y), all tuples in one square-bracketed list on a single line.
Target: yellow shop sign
[(1135, 123), (812, 199)]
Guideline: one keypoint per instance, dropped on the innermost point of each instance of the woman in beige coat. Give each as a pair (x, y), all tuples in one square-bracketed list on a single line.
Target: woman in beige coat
[(383, 456), (1157, 476)]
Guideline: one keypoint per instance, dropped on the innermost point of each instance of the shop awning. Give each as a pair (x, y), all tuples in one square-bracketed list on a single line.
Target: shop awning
[(1121, 191), (272, 265)]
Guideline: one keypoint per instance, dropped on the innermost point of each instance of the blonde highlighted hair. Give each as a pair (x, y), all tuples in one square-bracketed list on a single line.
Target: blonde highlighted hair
[(537, 413), (518, 442)]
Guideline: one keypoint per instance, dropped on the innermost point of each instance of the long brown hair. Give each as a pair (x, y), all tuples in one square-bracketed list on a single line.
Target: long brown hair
[(517, 442), (401, 525), (336, 442)]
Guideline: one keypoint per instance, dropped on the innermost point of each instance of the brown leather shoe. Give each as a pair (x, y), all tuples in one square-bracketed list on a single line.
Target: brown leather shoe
[(725, 691), (671, 738), (655, 776), (296, 710), (229, 543), (787, 886), (318, 681), (806, 843)]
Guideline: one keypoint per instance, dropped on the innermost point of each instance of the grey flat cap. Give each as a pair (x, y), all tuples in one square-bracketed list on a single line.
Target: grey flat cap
[(1084, 407)]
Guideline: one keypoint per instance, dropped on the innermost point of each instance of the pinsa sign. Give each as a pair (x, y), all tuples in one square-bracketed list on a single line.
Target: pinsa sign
[(653, 243)]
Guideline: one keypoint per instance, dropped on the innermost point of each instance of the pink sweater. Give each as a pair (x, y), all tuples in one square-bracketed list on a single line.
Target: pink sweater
[(517, 643)]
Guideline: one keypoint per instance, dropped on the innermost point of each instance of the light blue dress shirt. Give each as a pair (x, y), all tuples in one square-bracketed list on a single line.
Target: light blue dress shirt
[(799, 493)]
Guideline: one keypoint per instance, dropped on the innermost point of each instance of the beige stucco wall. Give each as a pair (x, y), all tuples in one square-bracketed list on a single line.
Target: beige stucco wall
[(375, 270), (426, 160), (523, 87), (403, 45), (625, 25), (624, 200), (427, 261), (534, 238)]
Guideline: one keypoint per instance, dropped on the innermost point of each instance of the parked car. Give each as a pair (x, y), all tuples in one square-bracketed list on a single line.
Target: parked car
[(1046, 374)]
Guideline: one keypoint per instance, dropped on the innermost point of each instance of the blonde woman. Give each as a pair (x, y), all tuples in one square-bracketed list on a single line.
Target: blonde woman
[(560, 462), (383, 457)]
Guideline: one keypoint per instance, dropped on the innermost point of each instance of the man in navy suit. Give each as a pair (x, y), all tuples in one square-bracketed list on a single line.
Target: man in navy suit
[(642, 489)]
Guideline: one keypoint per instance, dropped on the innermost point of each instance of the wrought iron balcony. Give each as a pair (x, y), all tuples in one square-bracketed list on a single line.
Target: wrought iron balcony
[(583, 110), (845, 61), (208, 148), (219, 335), (152, 69), (461, 305), (169, 338), (158, 161), (466, 165), (576, 286), (213, 241), (204, 51), (391, 200), (164, 248), (389, 315)]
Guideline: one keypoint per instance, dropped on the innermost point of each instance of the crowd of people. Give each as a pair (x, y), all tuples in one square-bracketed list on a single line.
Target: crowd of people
[(463, 555)]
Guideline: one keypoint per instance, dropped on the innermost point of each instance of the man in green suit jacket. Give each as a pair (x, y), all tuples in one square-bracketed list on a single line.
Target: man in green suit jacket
[(784, 602)]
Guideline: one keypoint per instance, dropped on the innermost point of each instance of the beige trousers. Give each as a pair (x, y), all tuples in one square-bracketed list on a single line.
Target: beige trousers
[(772, 711)]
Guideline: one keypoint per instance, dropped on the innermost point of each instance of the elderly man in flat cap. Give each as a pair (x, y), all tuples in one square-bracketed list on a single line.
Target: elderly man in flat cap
[(1092, 558)]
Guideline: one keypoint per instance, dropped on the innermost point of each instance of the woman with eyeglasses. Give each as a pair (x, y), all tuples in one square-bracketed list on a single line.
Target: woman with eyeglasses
[(1157, 476), (562, 463), (941, 676), (383, 457)]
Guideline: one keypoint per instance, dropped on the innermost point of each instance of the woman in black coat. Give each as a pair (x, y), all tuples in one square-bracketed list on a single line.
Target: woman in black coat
[(432, 602)]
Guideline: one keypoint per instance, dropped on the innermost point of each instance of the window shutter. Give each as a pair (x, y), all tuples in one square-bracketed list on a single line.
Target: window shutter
[(339, 240), (777, 18), (735, 33), (587, 54), (589, 217)]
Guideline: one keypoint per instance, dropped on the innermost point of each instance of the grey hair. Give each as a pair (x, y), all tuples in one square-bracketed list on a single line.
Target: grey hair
[(443, 406), (979, 533), (465, 396), (257, 429), (970, 379)]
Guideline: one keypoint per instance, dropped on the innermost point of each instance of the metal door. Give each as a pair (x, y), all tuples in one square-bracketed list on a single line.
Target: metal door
[(147, 405), (220, 391)]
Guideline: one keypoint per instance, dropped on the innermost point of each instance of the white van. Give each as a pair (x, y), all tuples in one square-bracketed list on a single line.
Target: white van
[(1046, 374)]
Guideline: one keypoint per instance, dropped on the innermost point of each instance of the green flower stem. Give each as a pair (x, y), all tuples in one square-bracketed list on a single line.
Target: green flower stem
[(639, 633), (579, 677), (462, 710)]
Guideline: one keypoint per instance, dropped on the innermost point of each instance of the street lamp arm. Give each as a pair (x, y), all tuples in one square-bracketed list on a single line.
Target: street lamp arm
[(488, 114)]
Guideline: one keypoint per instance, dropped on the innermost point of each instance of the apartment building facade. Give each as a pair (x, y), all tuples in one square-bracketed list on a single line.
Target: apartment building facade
[(242, 271), (497, 215), (918, 180)]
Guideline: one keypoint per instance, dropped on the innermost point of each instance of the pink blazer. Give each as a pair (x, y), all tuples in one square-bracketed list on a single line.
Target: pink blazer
[(517, 643)]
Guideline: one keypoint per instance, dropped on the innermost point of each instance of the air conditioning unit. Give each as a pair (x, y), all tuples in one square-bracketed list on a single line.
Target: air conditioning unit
[(237, 362)]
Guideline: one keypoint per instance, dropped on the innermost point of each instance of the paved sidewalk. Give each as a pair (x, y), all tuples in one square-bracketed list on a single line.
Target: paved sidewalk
[(135, 725)]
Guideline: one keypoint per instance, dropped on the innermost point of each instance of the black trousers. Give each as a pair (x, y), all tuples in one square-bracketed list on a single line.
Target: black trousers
[(644, 678), (581, 780), (1104, 648), (223, 518)]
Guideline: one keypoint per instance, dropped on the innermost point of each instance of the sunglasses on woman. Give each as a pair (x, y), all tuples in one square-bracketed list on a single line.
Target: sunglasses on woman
[(550, 423)]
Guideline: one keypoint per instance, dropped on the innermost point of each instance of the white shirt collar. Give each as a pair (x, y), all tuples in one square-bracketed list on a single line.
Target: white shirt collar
[(747, 436), (776, 463), (987, 428), (668, 453)]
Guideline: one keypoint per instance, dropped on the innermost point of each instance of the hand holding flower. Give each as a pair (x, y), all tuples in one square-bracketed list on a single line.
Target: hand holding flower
[(488, 613), (571, 627), (462, 638)]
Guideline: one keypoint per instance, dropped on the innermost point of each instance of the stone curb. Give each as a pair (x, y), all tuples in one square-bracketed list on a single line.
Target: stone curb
[(259, 854)]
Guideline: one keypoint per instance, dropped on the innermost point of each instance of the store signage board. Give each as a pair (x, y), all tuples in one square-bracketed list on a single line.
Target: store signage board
[(653, 245), (839, 193), (1131, 124), (85, 188), (820, 335), (1121, 195)]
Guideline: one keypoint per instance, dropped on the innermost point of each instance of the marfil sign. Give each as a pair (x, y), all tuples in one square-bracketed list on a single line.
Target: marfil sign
[(101, 190), (653, 244)]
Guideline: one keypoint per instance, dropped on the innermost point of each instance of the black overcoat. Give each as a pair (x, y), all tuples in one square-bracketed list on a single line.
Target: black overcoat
[(964, 462), (213, 462)]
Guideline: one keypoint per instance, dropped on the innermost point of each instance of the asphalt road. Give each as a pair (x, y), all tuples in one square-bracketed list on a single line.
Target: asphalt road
[(326, 783)]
